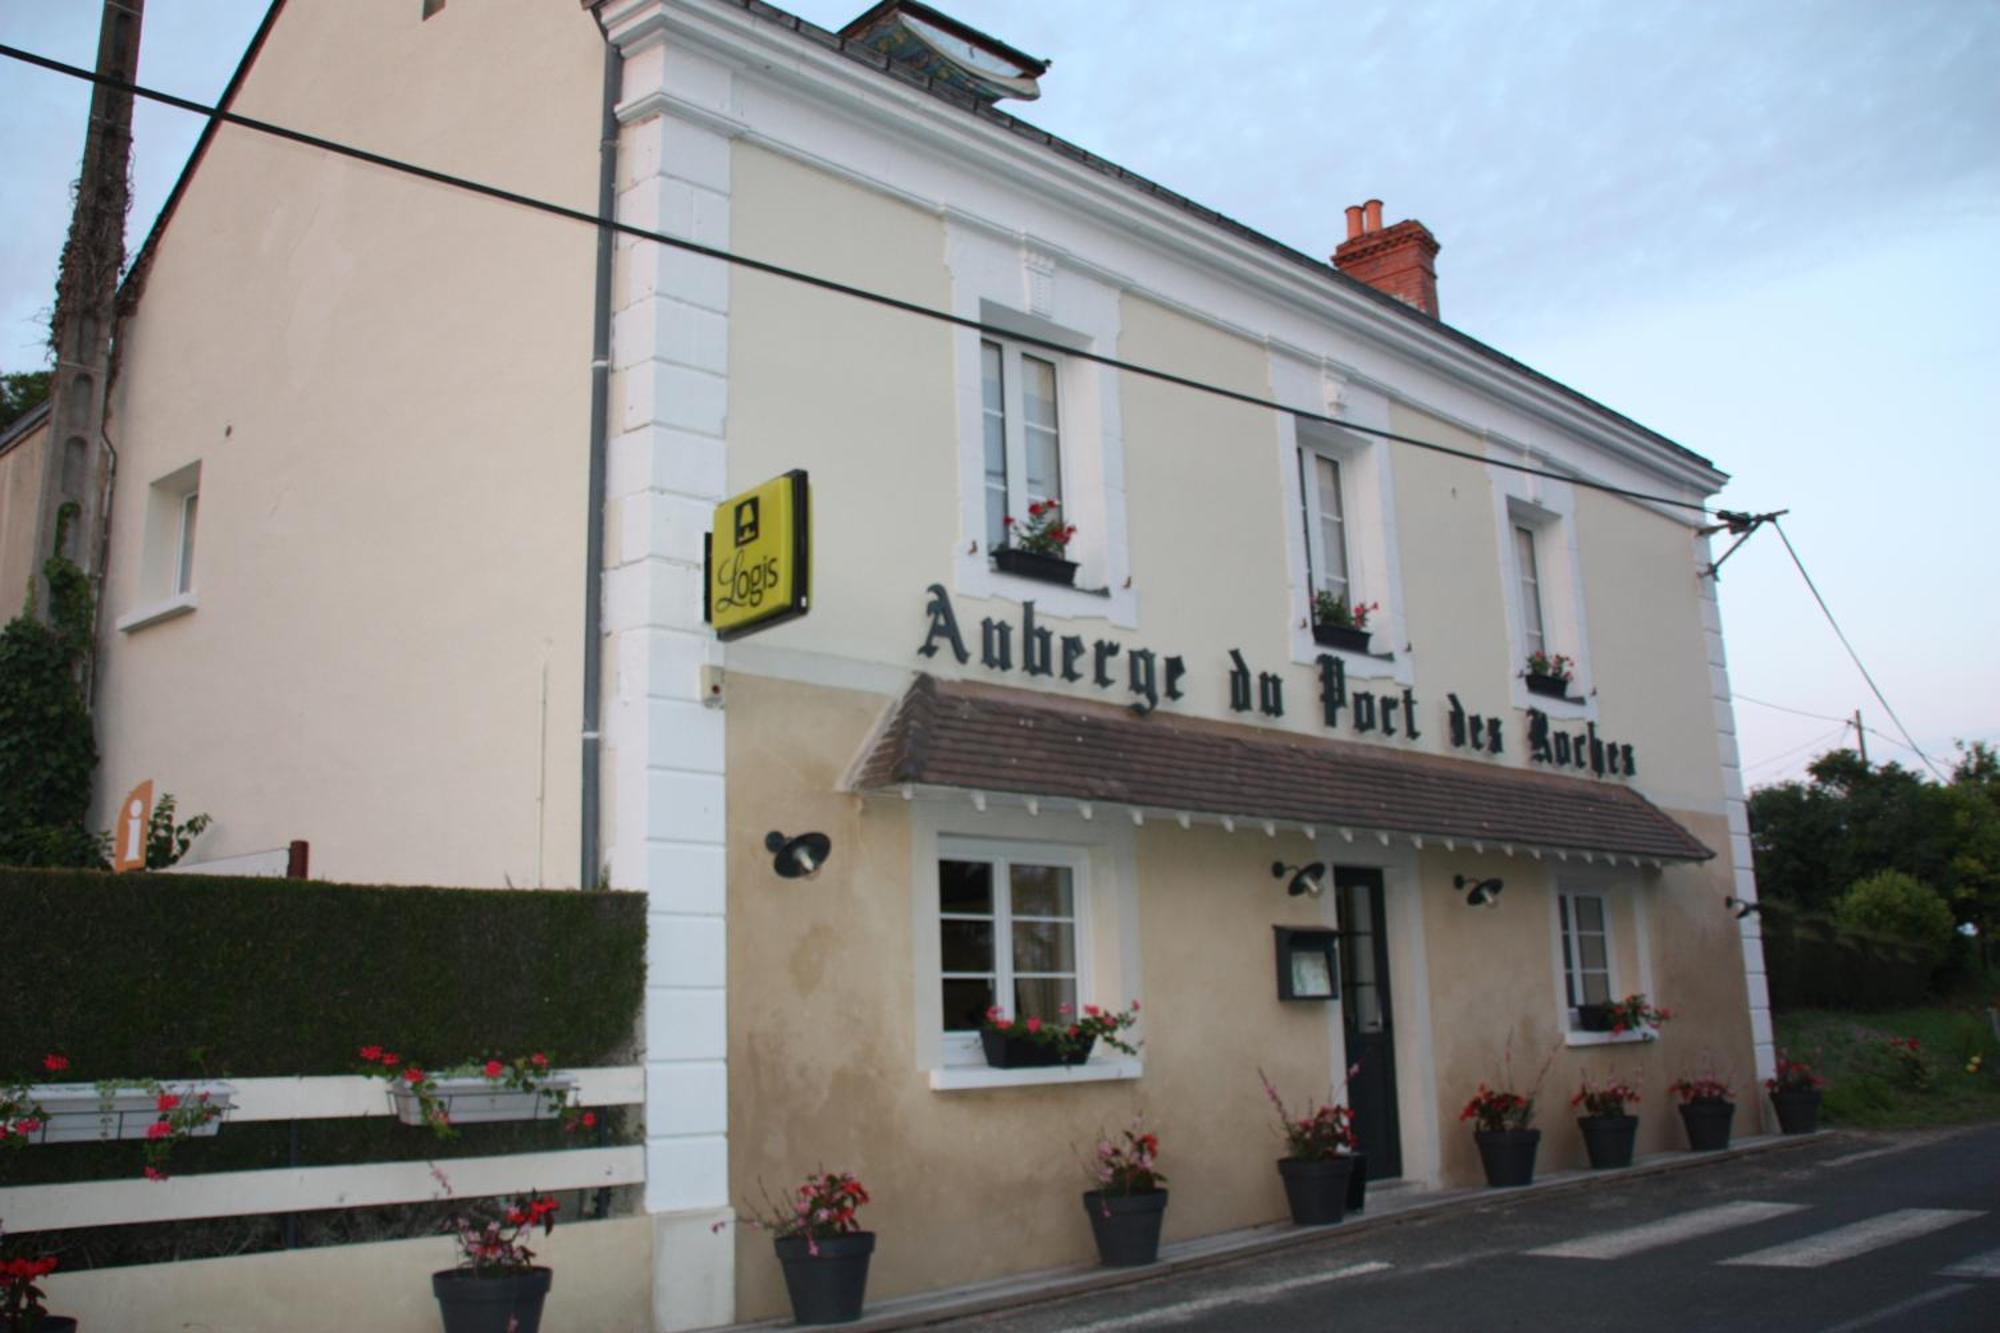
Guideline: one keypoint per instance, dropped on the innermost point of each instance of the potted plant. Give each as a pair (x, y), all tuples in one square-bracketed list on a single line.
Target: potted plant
[(1608, 1130), (1549, 674), (1038, 548), (1795, 1090), (1034, 1044), (476, 1091), (1707, 1108), (162, 1115), (1128, 1205), (1338, 625), (1321, 1161), (1502, 1120), (497, 1286), (21, 1308), (822, 1247)]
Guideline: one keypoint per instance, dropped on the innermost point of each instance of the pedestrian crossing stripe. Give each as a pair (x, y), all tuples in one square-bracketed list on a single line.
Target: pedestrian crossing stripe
[(1668, 1231), (1979, 1265), (1858, 1238)]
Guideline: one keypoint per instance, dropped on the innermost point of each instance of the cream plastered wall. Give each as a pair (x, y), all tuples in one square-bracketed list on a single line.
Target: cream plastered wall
[(386, 384), (863, 398), (599, 1270), (20, 498), (1496, 997), (822, 1070)]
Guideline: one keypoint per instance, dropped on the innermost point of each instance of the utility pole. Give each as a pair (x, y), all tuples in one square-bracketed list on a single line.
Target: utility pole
[(75, 470), (1860, 738)]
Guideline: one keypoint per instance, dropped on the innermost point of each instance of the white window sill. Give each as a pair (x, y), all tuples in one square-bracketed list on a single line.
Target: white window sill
[(177, 605), (1610, 1038), (963, 1078), (1574, 708)]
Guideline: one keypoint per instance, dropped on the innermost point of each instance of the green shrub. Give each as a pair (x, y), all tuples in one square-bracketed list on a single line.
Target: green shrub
[(1897, 904), (166, 976)]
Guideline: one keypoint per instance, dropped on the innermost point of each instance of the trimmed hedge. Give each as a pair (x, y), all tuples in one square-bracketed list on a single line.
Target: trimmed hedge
[(167, 976), (1812, 962)]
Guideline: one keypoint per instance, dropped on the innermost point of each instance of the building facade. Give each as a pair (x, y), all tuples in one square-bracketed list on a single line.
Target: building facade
[(372, 399)]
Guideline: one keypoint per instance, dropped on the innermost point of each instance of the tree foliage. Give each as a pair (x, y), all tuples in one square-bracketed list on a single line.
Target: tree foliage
[(1813, 840), (1896, 904), (20, 393)]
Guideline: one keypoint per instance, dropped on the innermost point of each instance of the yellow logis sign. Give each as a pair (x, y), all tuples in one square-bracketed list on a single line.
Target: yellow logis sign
[(759, 548)]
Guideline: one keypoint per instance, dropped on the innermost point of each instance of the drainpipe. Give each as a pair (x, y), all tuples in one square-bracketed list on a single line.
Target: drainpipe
[(593, 542)]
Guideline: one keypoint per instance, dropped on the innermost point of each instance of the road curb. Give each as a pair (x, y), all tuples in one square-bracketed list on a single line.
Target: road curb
[(932, 1308)]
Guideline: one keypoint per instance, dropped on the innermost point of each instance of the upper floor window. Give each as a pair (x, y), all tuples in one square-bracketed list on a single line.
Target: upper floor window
[(1021, 434), (1529, 571), (1326, 525), (184, 561), (1036, 422)]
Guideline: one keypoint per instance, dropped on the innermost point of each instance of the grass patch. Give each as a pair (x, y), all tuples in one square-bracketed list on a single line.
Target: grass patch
[(1951, 1078)]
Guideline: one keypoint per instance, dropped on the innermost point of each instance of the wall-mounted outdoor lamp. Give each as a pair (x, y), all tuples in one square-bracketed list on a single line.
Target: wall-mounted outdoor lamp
[(799, 857), (1738, 906), (1308, 881), (1479, 892), (1308, 964)]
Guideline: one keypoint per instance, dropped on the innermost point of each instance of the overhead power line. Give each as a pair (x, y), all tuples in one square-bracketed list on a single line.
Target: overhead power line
[(1841, 634), (1827, 717), (1817, 740), (808, 279)]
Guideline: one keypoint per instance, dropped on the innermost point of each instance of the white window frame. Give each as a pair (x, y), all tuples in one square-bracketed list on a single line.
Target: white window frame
[(167, 570), (1625, 924), (1368, 500), (1546, 507), (963, 1047), (1102, 860), (1570, 932), (1034, 303), (1319, 564), (1017, 484)]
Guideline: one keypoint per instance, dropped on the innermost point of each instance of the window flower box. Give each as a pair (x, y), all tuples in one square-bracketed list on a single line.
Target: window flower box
[(1549, 687), (87, 1113), (1352, 638), (1594, 1017), (1035, 565), (1005, 1050), (471, 1099)]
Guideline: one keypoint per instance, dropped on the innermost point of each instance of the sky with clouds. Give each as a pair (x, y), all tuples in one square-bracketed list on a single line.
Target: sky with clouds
[(1770, 231)]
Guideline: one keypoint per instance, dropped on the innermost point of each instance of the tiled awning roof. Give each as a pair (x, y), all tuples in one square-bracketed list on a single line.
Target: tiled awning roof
[(987, 738)]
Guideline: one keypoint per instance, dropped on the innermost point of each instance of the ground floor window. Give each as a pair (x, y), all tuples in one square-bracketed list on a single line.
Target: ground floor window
[(1008, 922), (1586, 951)]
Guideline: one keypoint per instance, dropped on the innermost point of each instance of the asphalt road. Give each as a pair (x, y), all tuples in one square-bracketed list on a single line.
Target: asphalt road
[(1845, 1234)]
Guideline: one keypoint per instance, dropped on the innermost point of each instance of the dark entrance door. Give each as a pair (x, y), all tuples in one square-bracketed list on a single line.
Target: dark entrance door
[(1364, 1014)]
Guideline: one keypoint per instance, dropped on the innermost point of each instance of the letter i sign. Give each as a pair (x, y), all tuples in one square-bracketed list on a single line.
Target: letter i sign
[(135, 816)]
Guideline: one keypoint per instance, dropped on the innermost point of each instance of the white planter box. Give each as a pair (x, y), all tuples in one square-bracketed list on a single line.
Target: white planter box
[(472, 1100), (80, 1113)]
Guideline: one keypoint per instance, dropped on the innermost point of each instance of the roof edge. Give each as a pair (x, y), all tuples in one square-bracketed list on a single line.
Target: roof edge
[(134, 286)]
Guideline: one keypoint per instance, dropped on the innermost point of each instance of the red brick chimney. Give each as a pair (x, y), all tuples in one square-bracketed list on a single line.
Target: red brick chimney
[(1397, 260)]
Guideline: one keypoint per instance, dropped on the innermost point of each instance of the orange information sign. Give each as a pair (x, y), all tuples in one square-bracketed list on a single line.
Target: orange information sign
[(135, 816)]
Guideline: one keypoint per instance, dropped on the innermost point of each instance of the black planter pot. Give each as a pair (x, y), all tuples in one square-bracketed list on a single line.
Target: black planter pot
[(828, 1287), (1316, 1189), (1551, 687), (1127, 1226), (1798, 1111), (1707, 1124), (1006, 1050), (1608, 1139), (1357, 1183), (1035, 565), (1593, 1018), (511, 1304), (1508, 1155), (1340, 636), (55, 1323)]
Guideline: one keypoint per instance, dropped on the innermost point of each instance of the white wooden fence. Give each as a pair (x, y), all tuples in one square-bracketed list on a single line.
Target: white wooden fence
[(299, 1189)]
